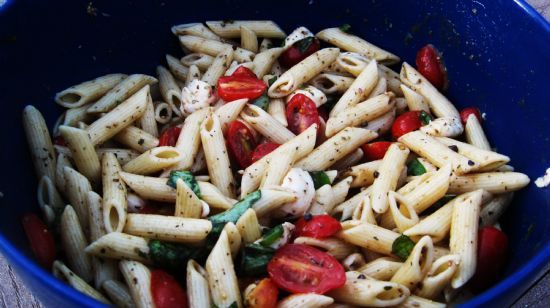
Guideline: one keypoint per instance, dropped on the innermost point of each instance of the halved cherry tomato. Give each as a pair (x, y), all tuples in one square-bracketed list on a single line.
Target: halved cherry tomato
[(466, 112), (166, 291), (317, 226), (264, 295), (170, 136), (157, 208), (263, 149), (301, 113), (405, 123), (430, 64), (241, 143), (492, 252), (375, 150), (243, 71), (59, 140), (40, 238), (299, 268), (239, 86), (299, 51)]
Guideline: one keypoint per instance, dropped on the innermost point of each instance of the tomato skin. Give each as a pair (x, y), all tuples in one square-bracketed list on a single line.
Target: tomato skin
[(264, 295), (492, 253), (166, 291), (242, 71), (299, 268), (263, 149), (317, 226), (59, 140), (231, 88), (293, 55), (375, 150), (241, 143), (466, 112), (405, 123), (170, 136), (430, 64), (301, 113), (40, 239)]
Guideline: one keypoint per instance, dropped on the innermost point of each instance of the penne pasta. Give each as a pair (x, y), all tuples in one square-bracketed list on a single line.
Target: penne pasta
[(438, 277), (73, 241), (249, 227), (414, 100), (381, 269), (231, 28), (417, 265), (197, 29), (198, 291), (387, 175), (369, 236), (153, 160), (487, 160), (265, 124), (138, 280), (77, 186), (200, 60), (75, 115), (114, 194), (80, 94), (230, 112), (493, 210), (118, 292), (221, 274), (83, 153), (167, 228), (163, 112), (335, 247), (265, 60), (332, 83), (309, 300), (427, 191), (61, 271), (169, 89), (249, 40), (187, 203), (136, 139), (148, 122), (213, 47), (414, 301), (40, 142), (272, 199), (475, 135), (176, 67), (218, 67), (493, 182), (116, 245)]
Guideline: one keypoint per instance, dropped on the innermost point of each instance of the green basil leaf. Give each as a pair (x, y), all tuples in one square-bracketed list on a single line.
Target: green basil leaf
[(424, 117), (271, 81), (233, 305), (402, 247), (345, 28), (320, 178), (415, 167), (255, 258), (187, 177), (172, 256), (304, 44), (273, 235), (262, 101), (233, 214)]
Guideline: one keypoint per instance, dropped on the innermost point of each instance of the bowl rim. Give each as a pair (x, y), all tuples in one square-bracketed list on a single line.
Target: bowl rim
[(540, 263)]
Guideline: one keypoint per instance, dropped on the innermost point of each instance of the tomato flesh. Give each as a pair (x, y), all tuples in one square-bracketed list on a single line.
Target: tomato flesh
[(241, 143), (59, 140), (299, 268), (293, 55), (429, 63), (492, 252), (264, 295), (170, 136), (466, 112), (243, 71), (301, 113), (405, 123), (317, 226), (166, 291), (263, 149), (40, 239), (375, 150), (231, 88)]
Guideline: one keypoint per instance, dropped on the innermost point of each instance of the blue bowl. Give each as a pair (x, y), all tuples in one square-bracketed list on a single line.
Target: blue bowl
[(497, 54)]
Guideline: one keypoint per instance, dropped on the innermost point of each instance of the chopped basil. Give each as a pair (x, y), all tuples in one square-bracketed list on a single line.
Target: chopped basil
[(172, 256), (424, 117), (331, 102), (271, 81), (415, 167), (255, 258), (273, 235), (320, 178), (402, 247), (345, 28), (304, 44), (263, 101), (187, 177)]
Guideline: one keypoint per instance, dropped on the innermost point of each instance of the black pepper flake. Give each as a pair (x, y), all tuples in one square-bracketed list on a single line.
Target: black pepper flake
[(361, 276), (387, 288), (376, 174), (471, 163), (141, 141), (454, 148), (308, 217)]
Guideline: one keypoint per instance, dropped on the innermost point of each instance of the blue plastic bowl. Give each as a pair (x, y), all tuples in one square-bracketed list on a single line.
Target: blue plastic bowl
[(497, 54)]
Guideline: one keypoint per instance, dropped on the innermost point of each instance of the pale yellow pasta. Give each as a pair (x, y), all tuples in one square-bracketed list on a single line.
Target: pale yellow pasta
[(114, 194), (221, 274), (73, 242), (381, 268), (347, 207), (308, 300), (427, 191), (116, 245), (387, 175), (169, 89), (167, 228), (61, 271), (213, 47), (323, 200), (138, 280), (148, 121), (414, 100), (265, 124), (88, 91), (198, 292), (417, 264), (277, 168), (363, 174), (272, 198), (474, 133), (118, 292), (349, 160), (404, 216), (353, 261), (332, 83), (62, 162), (438, 277), (414, 301), (234, 238), (200, 60), (187, 203), (163, 112), (153, 160), (83, 152), (197, 29), (76, 188), (276, 109), (436, 225), (493, 210), (363, 212), (136, 139), (248, 226), (39, 141), (249, 40), (369, 236), (382, 124), (79, 114), (487, 159), (176, 67), (229, 112), (264, 61), (493, 182), (335, 247), (48, 195), (218, 67), (231, 29)]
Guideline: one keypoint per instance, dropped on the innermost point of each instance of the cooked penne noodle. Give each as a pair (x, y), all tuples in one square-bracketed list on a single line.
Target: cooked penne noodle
[(136, 139), (187, 203), (176, 67), (347, 207), (363, 174), (62, 162), (414, 301), (219, 66), (198, 291), (119, 293), (234, 238), (369, 236), (232, 28), (167, 228), (414, 100), (148, 121), (264, 61), (229, 112), (308, 300), (138, 280), (200, 60), (417, 264), (353, 261), (404, 216), (75, 115), (47, 195), (492, 210), (382, 124), (277, 168), (163, 113), (248, 226), (83, 153), (493, 182), (272, 199), (80, 94), (265, 44), (349, 160), (189, 140), (436, 225), (335, 247), (249, 40), (73, 241), (265, 124), (61, 271), (428, 191), (353, 63), (40, 142), (153, 160), (302, 72), (322, 201), (221, 274), (213, 48), (381, 269), (475, 135), (276, 109), (197, 29), (334, 148), (114, 194), (487, 159), (438, 277), (76, 187), (387, 176), (122, 155), (116, 245), (332, 83), (339, 192), (169, 89)]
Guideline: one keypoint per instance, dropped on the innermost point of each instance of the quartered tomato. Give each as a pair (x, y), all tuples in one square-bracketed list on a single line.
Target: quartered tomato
[(40, 238), (408, 122), (492, 251), (301, 113), (299, 51), (170, 136), (243, 83), (430, 64), (466, 112), (317, 226), (241, 143), (375, 150), (242, 71), (263, 149), (301, 268), (166, 291), (264, 295)]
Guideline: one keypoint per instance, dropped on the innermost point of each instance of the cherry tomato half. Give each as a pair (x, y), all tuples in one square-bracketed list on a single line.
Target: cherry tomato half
[(263, 149), (299, 268), (430, 64), (166, 291), (241, 143), (40, 239), (243, 71), (405, 123), (233, 87), (170, 136), (466, 112), (375, 150), (299, 51), (492, 251), (264, 295), (301, 113), (59, 140), (317, 226)]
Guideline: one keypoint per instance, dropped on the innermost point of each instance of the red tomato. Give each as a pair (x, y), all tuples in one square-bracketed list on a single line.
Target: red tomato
[(466, 112), (157, 208), (405, 123), (40, 238), (300, 268), (317, 226), (430, 64), (375, 150), (263, 149), (301, 113), (492, 251), (242, 71), (241, 143), (299, 51), (231, 88), (170, 136), (59, 140), (264, 295), (166, 291)]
